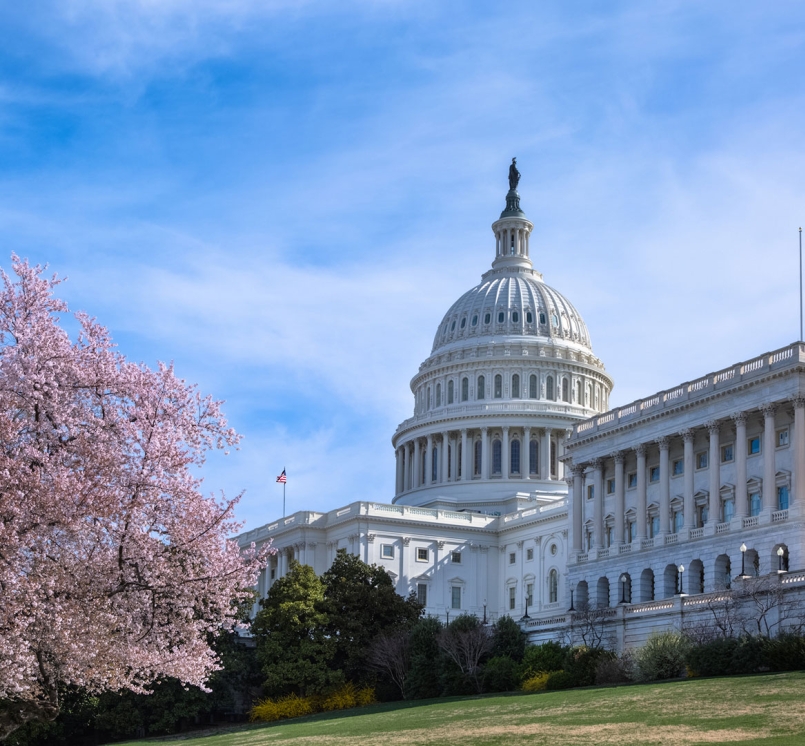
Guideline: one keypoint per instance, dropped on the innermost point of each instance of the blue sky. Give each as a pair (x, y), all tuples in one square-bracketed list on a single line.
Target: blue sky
[(285, 197)]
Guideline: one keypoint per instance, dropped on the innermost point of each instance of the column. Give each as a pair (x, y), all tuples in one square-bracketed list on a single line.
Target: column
[(665, 486), (688, 508), (769, 458), (429, 460), (417, 464), (443, 474), (741, 500), (484, 453), (560, 451), (525, 454), (620, 497), (578, 507), (714, 466), (799, 450), (398, 482), (598, 502), (545, 455), (454, 459), (465, 456), (504, 454), (642, 517)]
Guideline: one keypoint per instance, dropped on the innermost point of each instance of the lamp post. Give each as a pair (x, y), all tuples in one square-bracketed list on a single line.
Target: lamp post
[(681, 570), (571, 602), (525, 616), (623, 588), (780, 554), (484, 611), (448, 618), (743, 561)]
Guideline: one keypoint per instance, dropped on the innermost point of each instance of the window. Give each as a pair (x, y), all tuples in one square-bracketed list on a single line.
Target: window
[(753, 445), (421, 554), (679, 521), (542, 318), (455, 558), (549, 388), (449, 392), (702, 515), (515, 316), (588, 539), (529, 554), (422, 594), (475, 320), (481, 388), (273, 573), (728, 510), (590, 491), (438, 394), (553, 587), (477, 459), (578, 392), (782, 438), (532, 387), (529, 317), (754, 503), (631, 530), (529, 594), (487, 318), (428, 399), (512, 557), (565, 390), (701, 459), (610, 486), (498, 386), (497, 457), (631, 479), (678, 467), (727, 453), (463, 322), (455, 601), (465, 389), (387, 551), (782, 498), (512, 597), (515, 457), (501, 317), (554, 319), (654, 525), (434, 464), (453, 326), (610, 535), (515, 386), (533, 457), (654, 474)]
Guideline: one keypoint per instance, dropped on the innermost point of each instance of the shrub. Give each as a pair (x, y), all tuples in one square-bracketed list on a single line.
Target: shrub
[(423, 678), (291, 706), (786, 652), (343, 698), (501, 674), (537, 682), (550, 656), (582, 663), (662, 657), (365, 696), (508, 639), (726, 656), (615, 670), (559, 680)]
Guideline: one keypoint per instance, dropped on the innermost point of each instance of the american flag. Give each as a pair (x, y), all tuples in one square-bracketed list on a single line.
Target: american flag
[(282, 478)]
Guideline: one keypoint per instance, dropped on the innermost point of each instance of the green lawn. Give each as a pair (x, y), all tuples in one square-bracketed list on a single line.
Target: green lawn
[(767, 710)]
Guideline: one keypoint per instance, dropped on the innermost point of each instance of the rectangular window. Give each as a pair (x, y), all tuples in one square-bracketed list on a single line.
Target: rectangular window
[(455, 558), (610, 535), (589, 541), (702, 458), (590, 492), (782, 498), (387, 551), (753, 445), (631, 530), (529, 554), (610, 486), (631, 480), (273, 574), (529, 594), (754, 503), (727, 453), (422, 594), (421, 554), (512, 597), (702, 513), (654, 525), (678, 467), (782, 438), (728, 510), (654, 474), (512, 558), (679, 521), (456, 597)]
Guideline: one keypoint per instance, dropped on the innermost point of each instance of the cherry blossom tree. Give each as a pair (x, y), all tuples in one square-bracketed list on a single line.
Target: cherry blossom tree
[(114, 567)]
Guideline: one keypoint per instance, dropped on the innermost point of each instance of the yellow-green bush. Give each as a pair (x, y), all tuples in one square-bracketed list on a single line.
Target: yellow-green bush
[(537, 682), (293, 706), (342, 698), (365, 696)]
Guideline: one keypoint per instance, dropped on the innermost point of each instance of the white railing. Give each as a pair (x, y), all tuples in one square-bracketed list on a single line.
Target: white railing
[(582, 557), (625, 549), (722, 528), (750, 522), (779, 515), (647, 543), (696, 533), (671, 539), (650, 606)]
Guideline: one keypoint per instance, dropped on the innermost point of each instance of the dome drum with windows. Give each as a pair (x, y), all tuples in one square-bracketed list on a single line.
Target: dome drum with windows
[(511, 370)]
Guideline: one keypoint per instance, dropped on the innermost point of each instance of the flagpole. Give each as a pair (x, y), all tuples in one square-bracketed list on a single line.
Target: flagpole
[(283, 494), (800, 285)]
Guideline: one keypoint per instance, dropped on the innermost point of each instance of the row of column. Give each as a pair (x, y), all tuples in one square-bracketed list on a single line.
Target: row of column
[(410, 455), (714, 466), (504, 242)]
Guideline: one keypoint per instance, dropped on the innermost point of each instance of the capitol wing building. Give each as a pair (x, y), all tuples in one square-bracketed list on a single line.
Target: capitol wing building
[(519, 492)]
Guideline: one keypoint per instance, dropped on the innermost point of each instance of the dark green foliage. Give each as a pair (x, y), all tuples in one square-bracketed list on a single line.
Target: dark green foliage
[(582, 663), (560, 680), (662, 657), (508, 639), (501, 674), (786, 652), (550, 656), (617, 670), (424, 675), (724, 656), (469, 642)]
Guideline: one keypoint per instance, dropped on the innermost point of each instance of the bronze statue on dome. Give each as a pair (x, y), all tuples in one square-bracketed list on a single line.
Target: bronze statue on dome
[(514, 175)]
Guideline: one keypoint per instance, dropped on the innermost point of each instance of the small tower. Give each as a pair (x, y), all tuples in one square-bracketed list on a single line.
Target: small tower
[(513, 229)]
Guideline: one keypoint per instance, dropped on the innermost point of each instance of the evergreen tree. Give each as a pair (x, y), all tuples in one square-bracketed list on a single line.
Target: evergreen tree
[(508, 640), (426, 660)]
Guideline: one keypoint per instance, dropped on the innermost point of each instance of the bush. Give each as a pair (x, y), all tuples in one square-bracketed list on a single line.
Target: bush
[(293, 706), (582, 663), (550, 656), (501, 674), (617, 670), (559, 680), (727, 656), (508, 639), (662, 657), (786, 652), (423, 680), (537, 682)]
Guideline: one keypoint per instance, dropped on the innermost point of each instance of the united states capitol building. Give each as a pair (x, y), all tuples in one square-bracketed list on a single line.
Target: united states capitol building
[(519, 491)]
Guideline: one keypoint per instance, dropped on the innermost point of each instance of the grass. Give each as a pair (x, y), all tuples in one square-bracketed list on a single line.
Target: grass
[(767, 710)]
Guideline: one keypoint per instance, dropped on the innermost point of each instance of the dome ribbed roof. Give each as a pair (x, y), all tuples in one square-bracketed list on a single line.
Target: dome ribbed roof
[(516, 304)]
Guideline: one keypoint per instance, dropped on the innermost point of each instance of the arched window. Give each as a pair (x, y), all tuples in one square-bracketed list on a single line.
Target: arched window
[(449, 392), (515, 386), (477, 459), (565, 390), (465, 389), (438, 394), (532, 387), (434, 471), (460, 459), (515, 457), (497, 457), (481, 388), (423, 459), (498, 386), (427, 399), (549, 388), (553, 587), (533, 457), (578, 393)]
